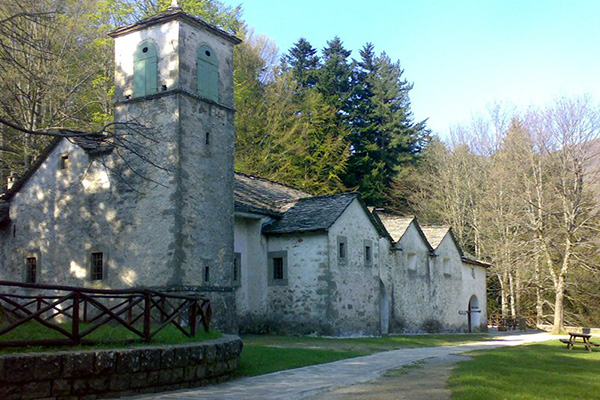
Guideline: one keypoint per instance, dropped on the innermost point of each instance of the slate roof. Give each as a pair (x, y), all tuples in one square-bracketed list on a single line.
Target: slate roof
[(478, 263), (311, 214), (253, 194), (169, 14), (396, 225), (435, 234)]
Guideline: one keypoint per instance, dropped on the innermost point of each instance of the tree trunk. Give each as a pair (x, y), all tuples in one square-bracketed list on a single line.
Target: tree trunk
[(503, 295), (511, 285), (539, 302), (558, 326)]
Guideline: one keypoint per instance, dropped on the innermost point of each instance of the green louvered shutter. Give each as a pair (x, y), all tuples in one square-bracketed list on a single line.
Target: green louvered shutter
[(145, 70), (208, 74)]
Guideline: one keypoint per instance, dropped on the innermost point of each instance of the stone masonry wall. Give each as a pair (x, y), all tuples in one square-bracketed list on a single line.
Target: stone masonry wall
[(96, 374)]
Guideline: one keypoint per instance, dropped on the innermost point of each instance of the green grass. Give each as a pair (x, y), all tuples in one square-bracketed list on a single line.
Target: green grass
[(259, 360), (545, 371), (264, 354), (108, 336)]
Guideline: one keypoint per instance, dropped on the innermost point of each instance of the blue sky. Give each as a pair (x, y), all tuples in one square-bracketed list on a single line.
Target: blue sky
[(461, 56)]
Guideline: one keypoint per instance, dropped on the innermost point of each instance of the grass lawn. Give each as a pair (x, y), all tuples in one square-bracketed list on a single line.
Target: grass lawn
[(112, 336), (264, 354), (546, 371)]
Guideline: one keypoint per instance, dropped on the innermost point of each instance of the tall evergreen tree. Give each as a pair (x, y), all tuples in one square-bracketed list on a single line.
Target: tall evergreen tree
[(384, 137), (334, 77), (302, 61)]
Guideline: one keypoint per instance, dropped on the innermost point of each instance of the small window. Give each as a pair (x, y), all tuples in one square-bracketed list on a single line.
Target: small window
[(342, 249), (208, 74), (63, 162), (368, 253), (473, 273), (31, 270), (237, 271), (97, 266), (207, 138), (278, 268), (206, 274), (411, 259)]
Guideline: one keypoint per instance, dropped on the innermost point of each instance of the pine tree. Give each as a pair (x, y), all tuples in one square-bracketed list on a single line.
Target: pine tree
[(334, 77), (302, 61), (384, 137)]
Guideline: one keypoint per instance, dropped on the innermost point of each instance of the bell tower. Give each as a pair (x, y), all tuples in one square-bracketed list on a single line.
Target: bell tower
[(174, 78)]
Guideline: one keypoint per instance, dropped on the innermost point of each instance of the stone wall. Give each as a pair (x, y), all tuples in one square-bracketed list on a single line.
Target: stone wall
[(354, 290), (96, 374)]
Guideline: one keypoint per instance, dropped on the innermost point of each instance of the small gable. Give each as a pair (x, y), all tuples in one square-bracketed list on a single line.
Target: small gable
[(312, 214)]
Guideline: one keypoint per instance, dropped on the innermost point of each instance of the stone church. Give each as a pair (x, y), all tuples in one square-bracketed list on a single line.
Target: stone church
[(167, 211)]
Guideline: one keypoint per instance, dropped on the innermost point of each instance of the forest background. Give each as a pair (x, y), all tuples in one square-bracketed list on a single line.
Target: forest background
[(518, 186)]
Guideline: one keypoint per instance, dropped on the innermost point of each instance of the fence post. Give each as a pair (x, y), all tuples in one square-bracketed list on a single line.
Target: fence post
[(147, 320), (85, 310), (75, 319), (130, 310), (193, 316)]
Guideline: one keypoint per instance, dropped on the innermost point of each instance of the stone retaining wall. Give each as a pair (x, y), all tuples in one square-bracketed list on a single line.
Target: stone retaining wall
[(111, 373)]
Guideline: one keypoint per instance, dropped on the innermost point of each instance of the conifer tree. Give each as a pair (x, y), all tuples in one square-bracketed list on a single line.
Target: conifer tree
[(384, 138), (334, 77), (302, 61)]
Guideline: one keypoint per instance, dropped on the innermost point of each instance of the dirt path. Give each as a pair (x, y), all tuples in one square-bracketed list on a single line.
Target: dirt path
[(421, 381)]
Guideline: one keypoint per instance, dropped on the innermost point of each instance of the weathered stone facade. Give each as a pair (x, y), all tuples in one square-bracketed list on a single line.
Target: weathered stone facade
[(345, 274)]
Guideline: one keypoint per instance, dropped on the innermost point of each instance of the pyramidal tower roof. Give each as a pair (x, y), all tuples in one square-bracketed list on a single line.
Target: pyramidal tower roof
[(174, 12)]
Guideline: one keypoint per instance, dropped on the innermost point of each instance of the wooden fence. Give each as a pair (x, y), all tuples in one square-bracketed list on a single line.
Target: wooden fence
[(510, 322), (76, 312)]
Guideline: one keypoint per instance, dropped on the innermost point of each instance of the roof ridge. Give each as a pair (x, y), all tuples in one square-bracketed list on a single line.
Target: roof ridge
[(324, 196), (262, 178)]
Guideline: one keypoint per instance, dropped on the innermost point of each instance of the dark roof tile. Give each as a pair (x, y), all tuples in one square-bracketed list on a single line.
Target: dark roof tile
[(254, 194), (312, 214)]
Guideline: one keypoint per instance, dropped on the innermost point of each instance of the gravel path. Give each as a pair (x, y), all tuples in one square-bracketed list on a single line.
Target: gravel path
[(361, 375)]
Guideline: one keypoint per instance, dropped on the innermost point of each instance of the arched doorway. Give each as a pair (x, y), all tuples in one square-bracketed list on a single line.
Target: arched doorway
[(474, 314), (384, 309)]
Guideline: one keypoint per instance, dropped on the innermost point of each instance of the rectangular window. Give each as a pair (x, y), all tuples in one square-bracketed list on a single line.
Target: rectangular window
[(63, 162), (278, 268), (237, 267), (206, 274), (368, 253), (411, 259), (97, 266), (342, 249), (31, 270)]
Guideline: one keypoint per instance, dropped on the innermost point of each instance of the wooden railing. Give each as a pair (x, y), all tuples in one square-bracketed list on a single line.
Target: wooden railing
[(77, 312), (510, 322)]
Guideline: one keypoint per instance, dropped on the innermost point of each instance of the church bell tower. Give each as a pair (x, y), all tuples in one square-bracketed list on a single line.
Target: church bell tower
[(174, 78)]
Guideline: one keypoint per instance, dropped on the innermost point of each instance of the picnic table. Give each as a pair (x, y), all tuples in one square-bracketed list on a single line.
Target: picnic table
[(579, 339)]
